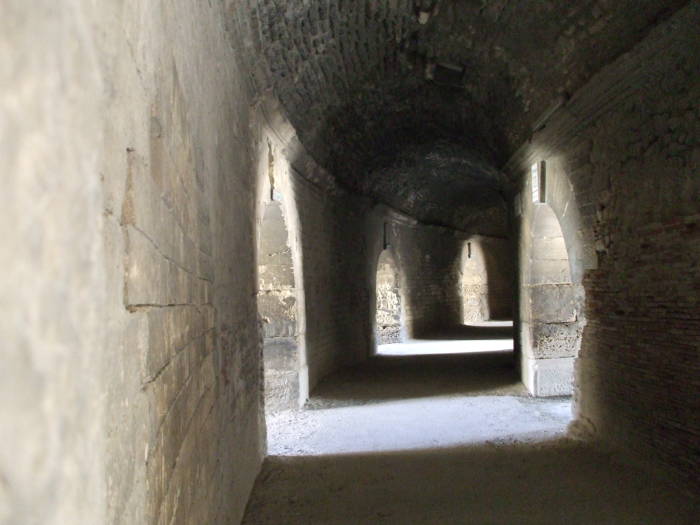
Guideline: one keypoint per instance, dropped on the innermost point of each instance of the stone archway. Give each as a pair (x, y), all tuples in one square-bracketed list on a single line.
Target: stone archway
[(549, 312), (389, 307), (474, 283), (486, 280), (278, 308)]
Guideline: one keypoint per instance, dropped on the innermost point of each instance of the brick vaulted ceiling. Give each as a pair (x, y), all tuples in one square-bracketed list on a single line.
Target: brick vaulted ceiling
[(418, 103)]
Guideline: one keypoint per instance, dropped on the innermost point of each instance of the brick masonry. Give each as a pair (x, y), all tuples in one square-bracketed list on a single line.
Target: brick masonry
[(626, 154)]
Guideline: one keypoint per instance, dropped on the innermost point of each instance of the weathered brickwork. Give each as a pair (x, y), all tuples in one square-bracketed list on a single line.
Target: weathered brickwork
[(382, 93), (628, 144), (427, 262)]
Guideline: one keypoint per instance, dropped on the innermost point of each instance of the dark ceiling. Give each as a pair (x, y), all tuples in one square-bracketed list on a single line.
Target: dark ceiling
[(419, 103)]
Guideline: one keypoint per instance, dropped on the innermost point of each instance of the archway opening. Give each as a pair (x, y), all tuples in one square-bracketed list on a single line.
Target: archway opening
[(278, 309), (550, 325), (389, 308), (474, 285), (486, 281)]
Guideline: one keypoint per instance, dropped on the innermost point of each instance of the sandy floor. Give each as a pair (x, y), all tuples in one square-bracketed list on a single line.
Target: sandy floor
[(445, 439)]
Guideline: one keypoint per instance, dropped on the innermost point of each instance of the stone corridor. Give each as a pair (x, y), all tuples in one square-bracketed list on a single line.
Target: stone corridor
[(349, 261)]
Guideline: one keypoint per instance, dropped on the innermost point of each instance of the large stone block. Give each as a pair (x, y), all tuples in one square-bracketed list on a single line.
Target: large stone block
[(548, 271), (553, 303), (548, 377), (550, 340)]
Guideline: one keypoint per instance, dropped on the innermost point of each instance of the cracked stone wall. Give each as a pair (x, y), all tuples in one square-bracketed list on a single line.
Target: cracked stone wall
[(131, 370), (628, 145)]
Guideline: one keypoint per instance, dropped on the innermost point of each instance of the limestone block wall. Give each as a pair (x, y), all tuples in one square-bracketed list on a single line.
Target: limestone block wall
[(628, 143), (551, 317), (132, 360)]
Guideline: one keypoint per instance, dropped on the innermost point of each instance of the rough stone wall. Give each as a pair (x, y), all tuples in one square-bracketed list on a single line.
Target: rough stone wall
[(551, 319), (500, 266), (328, 237), (629, 144), (431, 262), (133, 346), (474, 283)]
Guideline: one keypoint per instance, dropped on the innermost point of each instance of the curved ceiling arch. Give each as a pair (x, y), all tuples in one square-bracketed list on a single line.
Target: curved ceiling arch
[(418, 103)]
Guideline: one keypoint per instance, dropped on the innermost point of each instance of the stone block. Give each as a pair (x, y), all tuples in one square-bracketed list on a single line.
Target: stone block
[(548, 271), (553, 303), (548, 377), (552, 340), (281, 354)]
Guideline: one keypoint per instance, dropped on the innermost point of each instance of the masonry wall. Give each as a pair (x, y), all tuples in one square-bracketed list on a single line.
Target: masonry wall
[(336, 277), (428, 261), (131, 370), (487, 278), (628, 144)]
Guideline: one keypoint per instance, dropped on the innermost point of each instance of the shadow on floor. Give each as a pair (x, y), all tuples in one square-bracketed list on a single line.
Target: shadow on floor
[(554, 482), (394, 377)]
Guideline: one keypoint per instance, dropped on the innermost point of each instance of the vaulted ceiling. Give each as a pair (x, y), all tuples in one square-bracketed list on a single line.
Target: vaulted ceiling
[(418, 103)]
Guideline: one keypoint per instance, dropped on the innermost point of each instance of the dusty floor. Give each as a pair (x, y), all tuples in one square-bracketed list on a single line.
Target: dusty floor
[(445, 439)]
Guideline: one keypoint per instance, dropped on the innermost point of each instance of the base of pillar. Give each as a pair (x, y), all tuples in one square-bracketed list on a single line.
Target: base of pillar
[(549, 377)]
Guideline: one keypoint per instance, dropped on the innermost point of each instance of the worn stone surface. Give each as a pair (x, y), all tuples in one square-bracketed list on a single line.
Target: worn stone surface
[(133, 136), (131, 356), (419, 114), (388, 322), (626, 150)]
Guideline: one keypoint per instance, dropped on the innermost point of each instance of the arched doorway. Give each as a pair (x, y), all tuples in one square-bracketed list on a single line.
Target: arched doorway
[(486, 283), (474, 284), (389, 308), (278, 309), (550, 330)]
